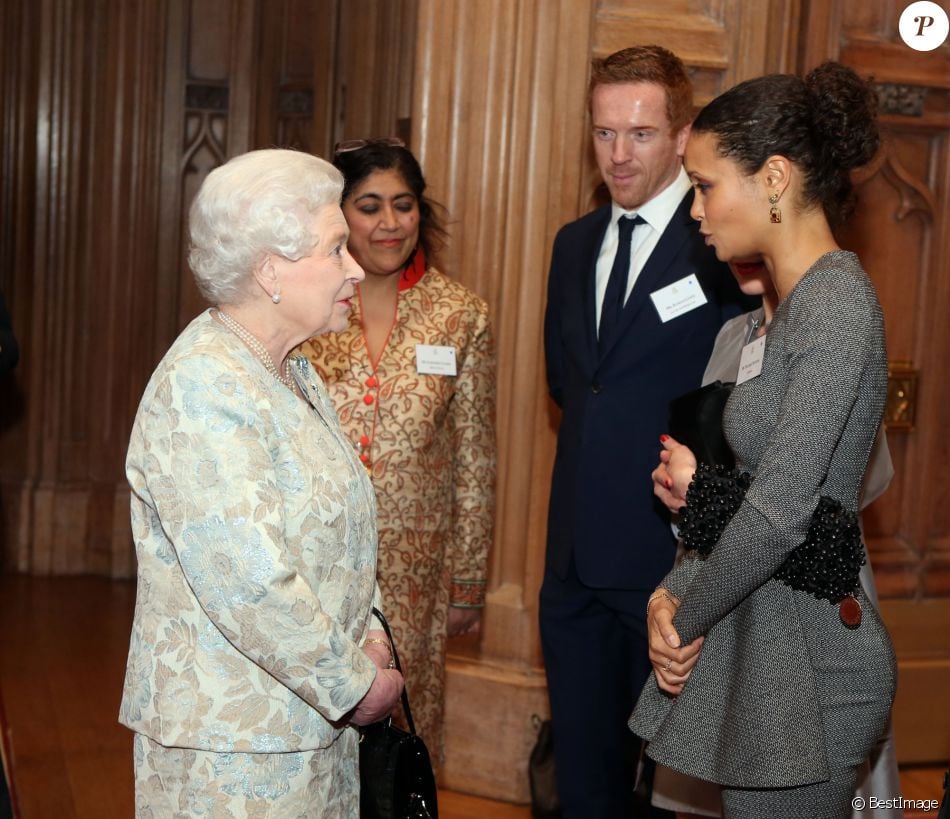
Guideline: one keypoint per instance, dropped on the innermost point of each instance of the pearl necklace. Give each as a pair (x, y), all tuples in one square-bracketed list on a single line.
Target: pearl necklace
[(255, 346)]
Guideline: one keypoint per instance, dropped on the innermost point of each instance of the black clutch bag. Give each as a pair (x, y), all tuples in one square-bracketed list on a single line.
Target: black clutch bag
[(696, 420), (396, 779)]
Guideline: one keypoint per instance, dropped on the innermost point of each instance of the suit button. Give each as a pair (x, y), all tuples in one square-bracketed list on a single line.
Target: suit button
[(596, 388)]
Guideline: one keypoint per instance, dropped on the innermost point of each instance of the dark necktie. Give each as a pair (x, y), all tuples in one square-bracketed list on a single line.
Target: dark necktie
[(616, 293)]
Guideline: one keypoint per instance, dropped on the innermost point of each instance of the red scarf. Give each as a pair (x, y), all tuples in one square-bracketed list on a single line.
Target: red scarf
[(414, 270)]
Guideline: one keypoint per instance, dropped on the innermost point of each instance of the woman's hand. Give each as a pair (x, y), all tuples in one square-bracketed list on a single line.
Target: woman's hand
[(464, 621), (671, 663), (672, 476), (378, 649), (379, 701)]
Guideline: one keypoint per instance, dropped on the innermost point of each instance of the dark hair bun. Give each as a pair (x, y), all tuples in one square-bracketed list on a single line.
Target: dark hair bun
[(843, 116)]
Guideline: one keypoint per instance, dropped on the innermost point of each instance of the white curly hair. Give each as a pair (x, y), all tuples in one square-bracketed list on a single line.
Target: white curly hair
[(257, 203)]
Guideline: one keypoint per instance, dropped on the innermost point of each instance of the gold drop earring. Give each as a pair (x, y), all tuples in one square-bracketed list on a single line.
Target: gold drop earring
[(775, 213)]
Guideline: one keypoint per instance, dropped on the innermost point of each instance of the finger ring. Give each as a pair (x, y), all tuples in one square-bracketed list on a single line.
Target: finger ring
[(668, 664)]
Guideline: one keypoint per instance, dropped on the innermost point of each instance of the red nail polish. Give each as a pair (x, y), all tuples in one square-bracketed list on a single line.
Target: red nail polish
[(663, 438)]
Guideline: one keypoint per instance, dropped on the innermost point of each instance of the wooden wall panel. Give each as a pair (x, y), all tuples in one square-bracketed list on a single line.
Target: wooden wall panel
[(214, 107), (499, 126), (113, 114), (493, 150), (83, 188), (892, 232), (374, 69), (900, 232), (297, 78), (722, 41)]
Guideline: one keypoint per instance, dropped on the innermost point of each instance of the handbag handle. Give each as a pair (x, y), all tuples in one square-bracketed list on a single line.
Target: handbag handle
[(392, 645)]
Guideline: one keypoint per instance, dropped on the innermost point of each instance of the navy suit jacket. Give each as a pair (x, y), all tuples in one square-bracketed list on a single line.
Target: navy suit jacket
[(615, 406)]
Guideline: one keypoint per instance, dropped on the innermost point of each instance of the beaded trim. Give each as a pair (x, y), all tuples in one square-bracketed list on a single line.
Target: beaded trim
[(255, 346), (713, 497), (826, 564)]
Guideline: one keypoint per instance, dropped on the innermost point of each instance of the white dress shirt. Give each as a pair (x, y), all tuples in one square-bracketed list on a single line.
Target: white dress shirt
[(657, 214)]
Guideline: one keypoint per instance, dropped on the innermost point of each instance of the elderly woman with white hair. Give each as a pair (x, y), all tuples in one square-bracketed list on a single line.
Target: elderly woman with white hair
[(254, 651)]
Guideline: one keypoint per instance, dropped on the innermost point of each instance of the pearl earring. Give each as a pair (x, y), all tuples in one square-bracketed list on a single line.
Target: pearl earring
[(275, 298)]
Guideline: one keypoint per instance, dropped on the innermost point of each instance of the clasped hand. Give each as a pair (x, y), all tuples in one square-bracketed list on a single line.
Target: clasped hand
[(672, 664), (384, 693), (672, 476)]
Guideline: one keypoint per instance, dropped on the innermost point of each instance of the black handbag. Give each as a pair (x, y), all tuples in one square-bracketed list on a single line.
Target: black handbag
[(696, 420), (396, 779)]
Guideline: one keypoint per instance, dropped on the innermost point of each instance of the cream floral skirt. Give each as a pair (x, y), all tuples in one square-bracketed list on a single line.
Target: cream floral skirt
[(181, 782)]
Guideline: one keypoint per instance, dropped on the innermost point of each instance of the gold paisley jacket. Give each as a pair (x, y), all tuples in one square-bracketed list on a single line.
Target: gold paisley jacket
[(428, 441), (255, 531)]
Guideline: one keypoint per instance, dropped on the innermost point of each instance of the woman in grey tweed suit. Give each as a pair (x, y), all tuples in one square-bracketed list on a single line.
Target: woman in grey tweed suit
[(783, 702)]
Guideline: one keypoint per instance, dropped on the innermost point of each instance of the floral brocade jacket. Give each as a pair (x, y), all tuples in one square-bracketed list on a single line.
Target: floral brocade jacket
[(255, 532)]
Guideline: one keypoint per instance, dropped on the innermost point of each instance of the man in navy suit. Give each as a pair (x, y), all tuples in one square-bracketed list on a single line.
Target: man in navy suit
[(635, 300)]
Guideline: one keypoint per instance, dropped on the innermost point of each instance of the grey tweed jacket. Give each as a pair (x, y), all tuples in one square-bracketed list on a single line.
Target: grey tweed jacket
[(754, 712)]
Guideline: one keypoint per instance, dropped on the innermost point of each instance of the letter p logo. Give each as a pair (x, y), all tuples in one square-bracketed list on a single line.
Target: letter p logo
[(924, 25), (925, 22)]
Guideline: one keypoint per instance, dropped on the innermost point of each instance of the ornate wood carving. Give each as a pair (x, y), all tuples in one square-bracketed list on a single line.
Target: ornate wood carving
[(906, 100)]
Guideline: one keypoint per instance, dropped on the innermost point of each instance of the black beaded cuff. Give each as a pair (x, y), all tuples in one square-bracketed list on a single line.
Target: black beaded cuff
[(826, 565), (713, 497)]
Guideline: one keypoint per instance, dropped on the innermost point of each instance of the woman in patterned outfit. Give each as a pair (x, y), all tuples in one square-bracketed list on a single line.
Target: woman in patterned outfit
[(788, 691), (413, 381), (253, 650)]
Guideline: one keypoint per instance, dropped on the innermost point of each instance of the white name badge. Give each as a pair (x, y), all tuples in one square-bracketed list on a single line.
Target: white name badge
[(678, 298), (750, 362), (434, 360)]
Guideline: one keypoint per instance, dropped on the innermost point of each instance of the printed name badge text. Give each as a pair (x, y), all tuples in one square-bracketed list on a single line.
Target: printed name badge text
[(750, 362), (434, 360), (678, 298)]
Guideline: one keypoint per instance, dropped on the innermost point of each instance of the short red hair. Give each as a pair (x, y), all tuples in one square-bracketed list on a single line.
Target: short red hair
[(649, 63)]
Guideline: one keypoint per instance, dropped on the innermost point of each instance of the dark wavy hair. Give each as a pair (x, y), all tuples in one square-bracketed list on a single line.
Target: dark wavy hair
[(357, 165), (826, 124), (648, 63)]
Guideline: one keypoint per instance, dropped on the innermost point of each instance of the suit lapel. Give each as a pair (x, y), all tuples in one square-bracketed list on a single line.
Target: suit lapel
[(676, 235)]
